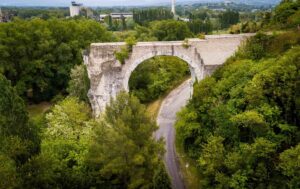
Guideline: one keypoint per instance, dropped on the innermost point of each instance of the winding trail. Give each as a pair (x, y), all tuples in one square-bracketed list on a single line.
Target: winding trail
[(166, 119)]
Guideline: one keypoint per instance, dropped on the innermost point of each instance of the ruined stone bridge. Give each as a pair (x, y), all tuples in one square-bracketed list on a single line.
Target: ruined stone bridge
[(108, 76)]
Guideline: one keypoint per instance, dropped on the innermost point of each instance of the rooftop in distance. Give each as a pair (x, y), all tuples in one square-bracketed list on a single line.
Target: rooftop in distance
[(76, 4)]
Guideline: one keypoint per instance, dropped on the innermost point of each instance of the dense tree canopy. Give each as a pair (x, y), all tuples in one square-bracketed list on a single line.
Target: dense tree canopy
[(28, 13), (19, 139), (287, 14), (245, 116), (123, 146), (37, 55), (116, 150), (145, 16), (61, 162), (199, 26), (229, 18), (170, 30)]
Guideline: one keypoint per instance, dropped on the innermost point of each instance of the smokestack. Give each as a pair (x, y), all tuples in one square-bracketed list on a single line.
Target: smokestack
[(173, 7)]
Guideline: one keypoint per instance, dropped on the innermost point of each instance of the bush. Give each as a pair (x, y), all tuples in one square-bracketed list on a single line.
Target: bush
[(186, 44), (242, 119), (122, 55), (255, 48), (79, 83), (287, 14)]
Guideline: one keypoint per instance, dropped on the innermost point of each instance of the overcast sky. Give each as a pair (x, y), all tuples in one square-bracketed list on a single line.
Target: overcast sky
[(90, 2)]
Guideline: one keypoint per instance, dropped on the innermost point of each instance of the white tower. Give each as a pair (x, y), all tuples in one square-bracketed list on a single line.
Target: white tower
[(75, 9), (173, 7)]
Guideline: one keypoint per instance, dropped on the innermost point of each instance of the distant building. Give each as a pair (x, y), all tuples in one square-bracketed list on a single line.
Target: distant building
[(116, 16), (184, 19), (102, 16), (120, 15), (227, 2), (75, 9)]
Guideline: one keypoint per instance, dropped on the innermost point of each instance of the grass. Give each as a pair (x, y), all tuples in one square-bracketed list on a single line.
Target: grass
[(188, 168), (37, 110), (153, 108)]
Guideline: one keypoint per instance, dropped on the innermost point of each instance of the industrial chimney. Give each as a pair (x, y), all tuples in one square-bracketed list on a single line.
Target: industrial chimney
[(173, 7)]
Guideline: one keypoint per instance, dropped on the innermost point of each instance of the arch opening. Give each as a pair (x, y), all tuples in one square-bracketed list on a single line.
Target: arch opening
[(158, 75), (195, 69)]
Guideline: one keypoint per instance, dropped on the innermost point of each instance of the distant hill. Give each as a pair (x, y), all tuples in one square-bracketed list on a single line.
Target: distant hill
[(126, 3), (256, 2), (248, 2)]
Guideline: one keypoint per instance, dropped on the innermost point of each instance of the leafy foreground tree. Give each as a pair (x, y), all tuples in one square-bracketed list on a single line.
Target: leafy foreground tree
[(79, 83), (242, 124), (123, 147), (18, 138), (63, 150)]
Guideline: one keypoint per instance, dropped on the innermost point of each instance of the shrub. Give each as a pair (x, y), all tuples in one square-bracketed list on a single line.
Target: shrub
[(122, 55), (201, 35), (186, 44)]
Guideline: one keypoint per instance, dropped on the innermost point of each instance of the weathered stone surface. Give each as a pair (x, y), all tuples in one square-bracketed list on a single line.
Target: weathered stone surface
[(108, 76)]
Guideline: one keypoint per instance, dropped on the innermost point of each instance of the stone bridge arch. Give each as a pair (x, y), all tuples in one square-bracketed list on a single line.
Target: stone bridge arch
[(108, 76), (145, 51)]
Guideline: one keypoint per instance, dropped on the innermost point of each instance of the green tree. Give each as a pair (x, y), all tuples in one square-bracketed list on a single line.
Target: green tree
[(287, 13), (18, 137), (61, 163), (161, 178), (290, 165), (243, 118), (198, 26), (79, 83), (212, 155), (13, 116), (144, 16), (168, 30), (8, 173), (37, 55), (124, 25), (229, 18), (110, 22), (123, 146)]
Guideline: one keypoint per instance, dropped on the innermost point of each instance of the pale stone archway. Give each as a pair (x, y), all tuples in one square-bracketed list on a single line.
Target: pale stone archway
[(108, 76)]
